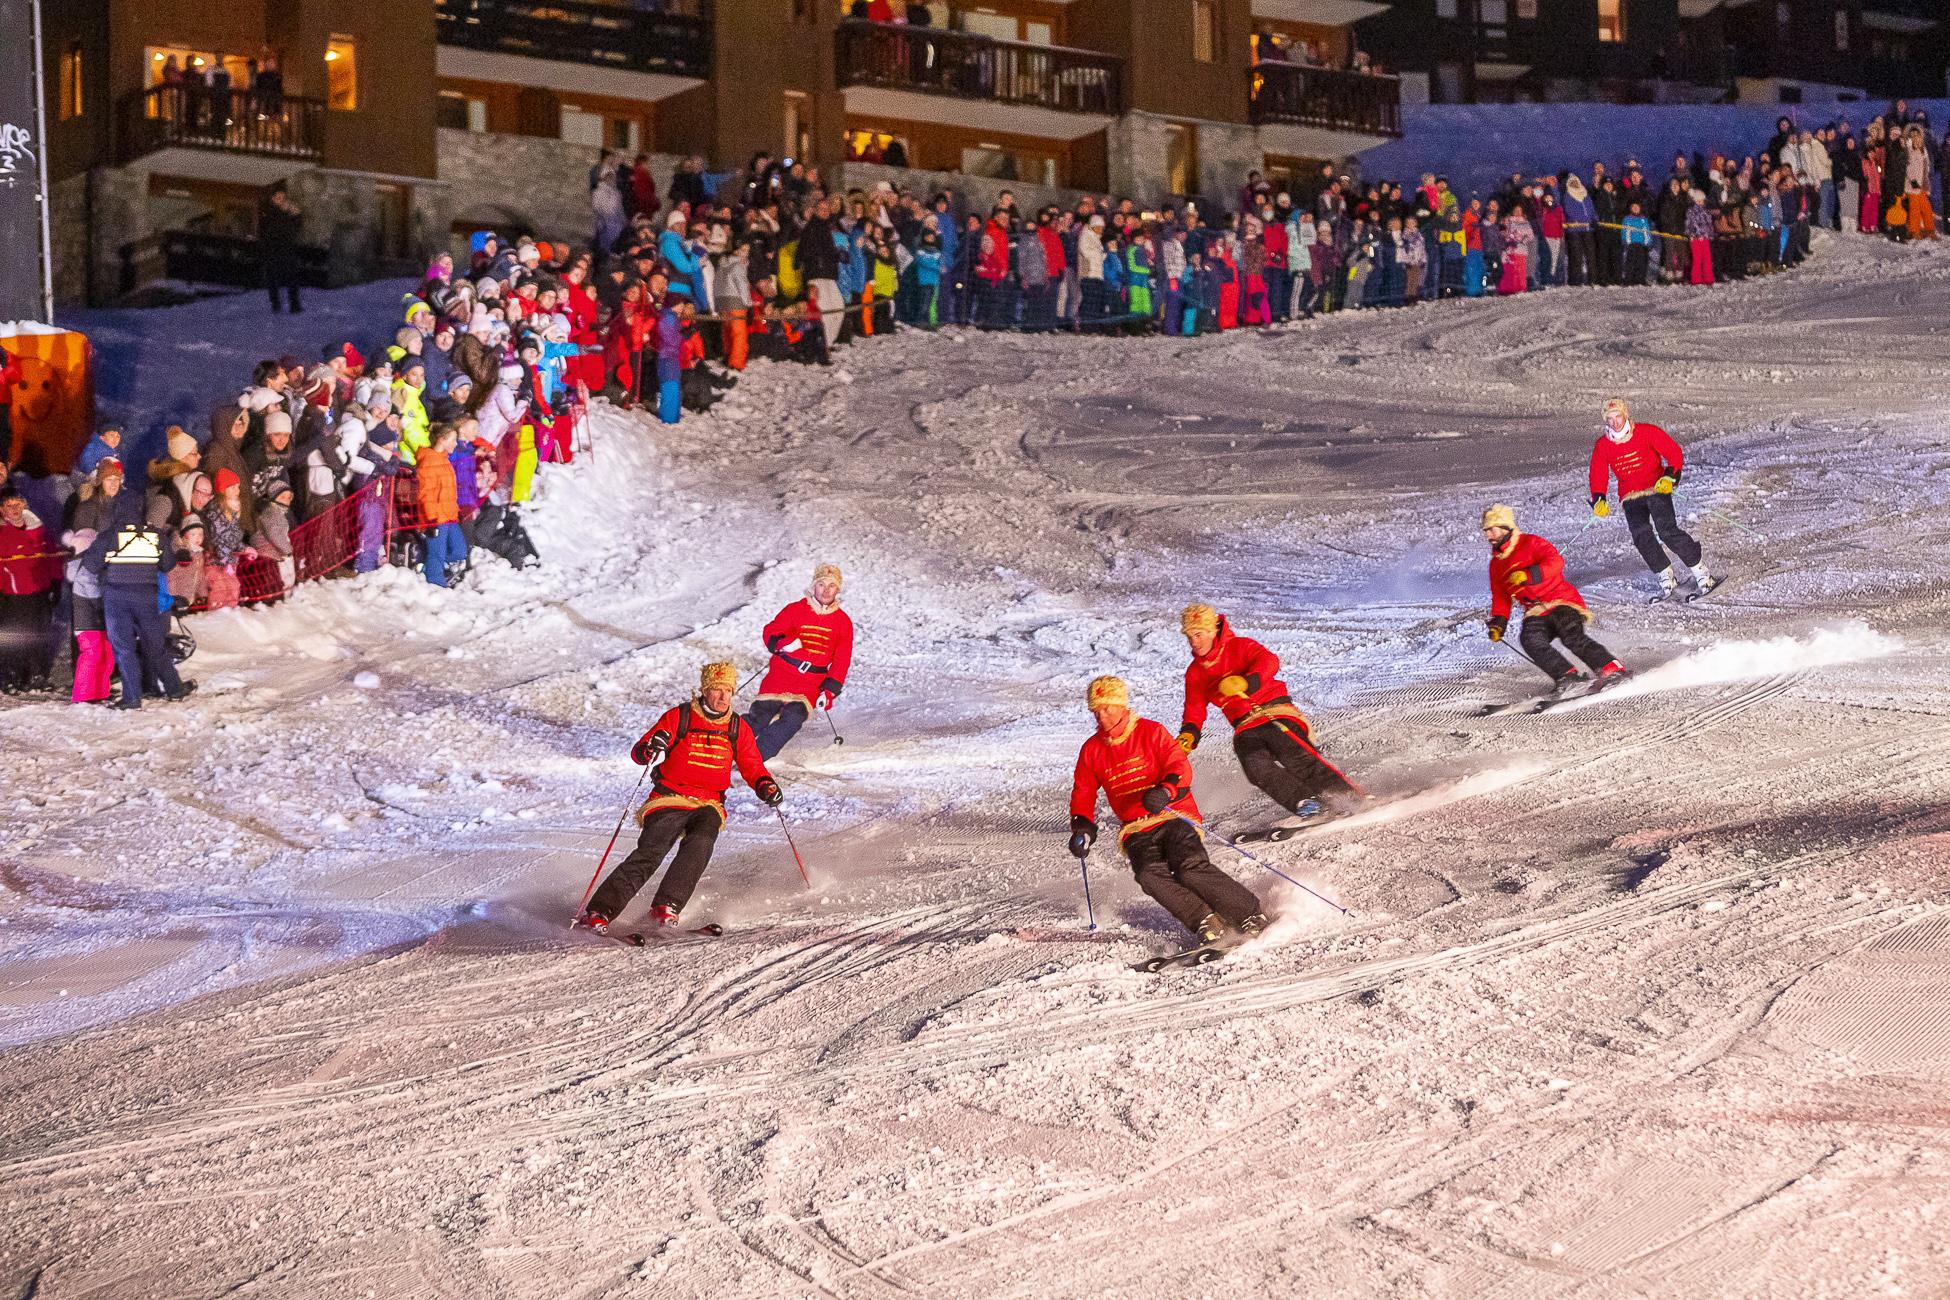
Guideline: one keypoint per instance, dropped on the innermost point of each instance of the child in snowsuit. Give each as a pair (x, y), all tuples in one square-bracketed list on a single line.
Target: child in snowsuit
[(1148, 781)]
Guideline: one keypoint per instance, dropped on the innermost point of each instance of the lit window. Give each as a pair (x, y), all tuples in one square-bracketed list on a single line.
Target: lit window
[(342, 74), (72, 102), (1205, 30), (1611, 20), (1841, 29), (1527, 10)]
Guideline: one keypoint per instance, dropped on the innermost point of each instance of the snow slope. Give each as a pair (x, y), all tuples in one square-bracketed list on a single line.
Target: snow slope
[(1638, 998)]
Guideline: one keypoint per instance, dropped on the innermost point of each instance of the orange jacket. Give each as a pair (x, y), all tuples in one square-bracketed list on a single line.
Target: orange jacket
[(439, 493), (1237, 656), (1124, 766)]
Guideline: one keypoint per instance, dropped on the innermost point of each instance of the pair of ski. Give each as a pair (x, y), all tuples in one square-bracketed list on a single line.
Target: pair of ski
[(639, 939), (1553, 700), (1203, 954)]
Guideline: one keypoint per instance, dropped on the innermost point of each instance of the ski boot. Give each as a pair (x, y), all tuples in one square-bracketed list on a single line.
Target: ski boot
[(1211, 929), (593, 921), (1253, 926), (1568, 685), (1703, 581), (1668, 587), (1307, 808), (1609, 676), (663, 914)]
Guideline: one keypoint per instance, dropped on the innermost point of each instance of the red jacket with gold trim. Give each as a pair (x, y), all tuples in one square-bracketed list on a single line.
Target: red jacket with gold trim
[(1544, 587), (1639, 462), (820, 639), (696, 771), (1233, 655), (1124, 766)]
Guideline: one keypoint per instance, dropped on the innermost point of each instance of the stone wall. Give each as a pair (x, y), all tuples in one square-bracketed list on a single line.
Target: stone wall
[(523, 184), (68, 230), (1140, 159)]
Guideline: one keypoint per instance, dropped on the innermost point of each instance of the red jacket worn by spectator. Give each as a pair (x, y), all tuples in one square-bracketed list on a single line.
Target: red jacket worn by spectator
[(1124, 766), (1052, 251), (27, 562), (1543, 587), (696, 771), (821, 637), (438, 489), (1645, 457), (994, 263), (1266, 695)]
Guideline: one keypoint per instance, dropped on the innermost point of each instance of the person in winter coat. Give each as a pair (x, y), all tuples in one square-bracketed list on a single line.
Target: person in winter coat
[(439, 505), (129, 559), (991, 271), (692, 750), (1517, 241), (1637, 243), (1090, 269), (1148, 782), (227, 542), (1527, 570), (30, 576), (1647, 464), (225, 449), (87, 513), (1699, 239), (272, 537), (811, 645), (1579, 218), (409, 399), (1270, 736)]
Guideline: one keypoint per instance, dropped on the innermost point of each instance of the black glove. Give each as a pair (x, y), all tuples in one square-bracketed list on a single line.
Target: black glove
[(647, 750), (832, 686), (1083, 833), (1156, 799), (768, 792)]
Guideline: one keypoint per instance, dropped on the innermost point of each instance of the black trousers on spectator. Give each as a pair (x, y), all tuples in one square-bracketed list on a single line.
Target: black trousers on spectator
[(1288, 771), (1565, 624), (1091, 292), (1653, 522), (26, 655), (1611, 256), (1637, 263), (697, 828), (1170, 865), (135, 630), (282, 274), (1577, 257)]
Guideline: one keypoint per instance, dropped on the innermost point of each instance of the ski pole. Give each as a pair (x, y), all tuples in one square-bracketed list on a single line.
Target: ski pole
[(1725, 519), (1258, 862), (591, 888), (1514, 648), (1089, 907), (838, 739), (795, 848)]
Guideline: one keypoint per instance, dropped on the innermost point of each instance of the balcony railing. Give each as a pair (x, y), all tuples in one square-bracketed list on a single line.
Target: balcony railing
[(1321, 97), (675, 38), (939, 62), (237, 121)]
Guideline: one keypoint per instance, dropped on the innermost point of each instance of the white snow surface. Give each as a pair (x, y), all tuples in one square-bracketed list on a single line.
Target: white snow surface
[(1639, 998)]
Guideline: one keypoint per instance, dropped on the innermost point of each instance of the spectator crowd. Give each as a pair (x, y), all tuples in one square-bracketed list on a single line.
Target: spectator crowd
[(420, 447)]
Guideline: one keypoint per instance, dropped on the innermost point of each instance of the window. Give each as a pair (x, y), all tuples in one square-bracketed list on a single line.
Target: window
[(798, 124), (1205, 30), (1181, 157), (1611, 21), (1527, 10), (458, 112), (1445, 8), (342, 74), (1841, 29), (72, 102)]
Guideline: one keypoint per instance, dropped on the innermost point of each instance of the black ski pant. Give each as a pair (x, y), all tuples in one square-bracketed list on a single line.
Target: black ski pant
[(1287, 770), (136, 629), (1578, 257), (697, 828), (1170, 865), (774, 722), (1637, 264), (1652, 523), (1565, 624)]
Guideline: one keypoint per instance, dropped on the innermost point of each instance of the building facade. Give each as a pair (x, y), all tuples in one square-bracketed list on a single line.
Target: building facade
[(396, 126), (1661, 51)]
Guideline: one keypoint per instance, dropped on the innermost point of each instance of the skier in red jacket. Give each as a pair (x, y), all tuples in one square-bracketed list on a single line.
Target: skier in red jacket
[(698, 743), (1148, 781), (1273, 739), (1647, 464), (811, 643), (1527, 569)]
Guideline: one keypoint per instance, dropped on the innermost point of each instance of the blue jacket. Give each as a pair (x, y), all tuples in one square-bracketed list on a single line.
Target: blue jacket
[(1638, 230), (949, 236), (927, 266), (675, 251), (1578, 212)]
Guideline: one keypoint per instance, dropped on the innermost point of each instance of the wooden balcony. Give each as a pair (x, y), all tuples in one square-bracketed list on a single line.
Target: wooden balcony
[(934, 61), (1349, 102), (675, 41), (242, 122)]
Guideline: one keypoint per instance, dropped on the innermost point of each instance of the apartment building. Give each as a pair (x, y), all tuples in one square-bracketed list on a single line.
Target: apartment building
[(1661, 51), (395, 125)]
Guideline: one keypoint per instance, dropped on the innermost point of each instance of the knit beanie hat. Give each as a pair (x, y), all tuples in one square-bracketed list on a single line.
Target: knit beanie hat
[(1500, 516), (1198, 618), (226, 479), (277, 422), (181, 445), (1106, 691), (719, 676)]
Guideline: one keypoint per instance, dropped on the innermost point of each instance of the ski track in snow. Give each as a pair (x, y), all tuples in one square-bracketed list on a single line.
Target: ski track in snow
[(1643, 996)]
